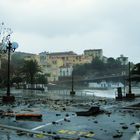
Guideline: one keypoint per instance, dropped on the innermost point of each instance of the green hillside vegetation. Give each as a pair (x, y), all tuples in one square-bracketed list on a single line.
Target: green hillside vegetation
[(99, 68)]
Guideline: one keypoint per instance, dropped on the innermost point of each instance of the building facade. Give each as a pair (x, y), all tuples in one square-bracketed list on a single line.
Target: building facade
[(94, 53), (65, 71), (123, 59), (60, 64)]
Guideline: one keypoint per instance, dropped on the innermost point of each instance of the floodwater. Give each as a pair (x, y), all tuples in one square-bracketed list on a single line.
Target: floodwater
[(108, 93)]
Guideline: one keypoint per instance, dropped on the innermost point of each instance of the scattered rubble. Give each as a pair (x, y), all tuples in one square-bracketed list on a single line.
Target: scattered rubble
[(54, 122), (58, 114), (95, 121), (66, 120), (137, 125), (124, 127), (118, 135), (95, 110)]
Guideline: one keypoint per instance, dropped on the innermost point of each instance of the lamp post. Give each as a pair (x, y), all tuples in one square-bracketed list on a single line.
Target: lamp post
[(72, 92), (130, 91), (130, 95), (124, 74), (8, 47)]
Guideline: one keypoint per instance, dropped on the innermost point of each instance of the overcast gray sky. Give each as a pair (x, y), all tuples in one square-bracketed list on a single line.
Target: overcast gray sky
[(65, 25)]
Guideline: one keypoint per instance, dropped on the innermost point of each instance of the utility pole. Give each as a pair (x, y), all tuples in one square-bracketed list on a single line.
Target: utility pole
[(72, 92), (130, 95), (130, 91), (7, 47)]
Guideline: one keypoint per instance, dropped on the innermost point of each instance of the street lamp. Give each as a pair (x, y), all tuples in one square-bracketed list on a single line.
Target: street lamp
[(130, 91), (7, 47), (130, 95), (72, 92)]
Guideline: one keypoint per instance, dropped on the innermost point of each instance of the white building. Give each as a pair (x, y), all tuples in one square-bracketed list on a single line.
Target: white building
[(105, 85), (65, 71)]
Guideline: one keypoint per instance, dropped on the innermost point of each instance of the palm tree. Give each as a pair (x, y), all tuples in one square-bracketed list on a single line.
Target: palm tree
[(30, 68)]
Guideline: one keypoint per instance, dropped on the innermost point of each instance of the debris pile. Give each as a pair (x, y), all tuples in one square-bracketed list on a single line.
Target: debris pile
[(95, 110)]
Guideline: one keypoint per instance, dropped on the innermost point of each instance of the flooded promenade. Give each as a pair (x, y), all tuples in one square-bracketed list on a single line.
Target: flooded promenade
[(120, 119)]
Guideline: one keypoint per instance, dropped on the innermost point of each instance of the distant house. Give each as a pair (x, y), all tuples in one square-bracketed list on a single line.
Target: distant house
[(105, 59), (65, 71), (66, 57), (60, 64), (105, 85), (123, 60), (95, 53)]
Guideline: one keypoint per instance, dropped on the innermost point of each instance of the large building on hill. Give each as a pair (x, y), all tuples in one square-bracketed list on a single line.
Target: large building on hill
[(94, 53), (60, 64), (70, 58), (66, 57)]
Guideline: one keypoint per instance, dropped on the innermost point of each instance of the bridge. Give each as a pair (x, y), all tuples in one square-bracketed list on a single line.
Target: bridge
[(106, 78), (92, 79)]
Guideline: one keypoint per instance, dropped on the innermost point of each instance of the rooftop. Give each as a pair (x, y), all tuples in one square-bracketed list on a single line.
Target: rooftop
[(62, 53), (93, 50)]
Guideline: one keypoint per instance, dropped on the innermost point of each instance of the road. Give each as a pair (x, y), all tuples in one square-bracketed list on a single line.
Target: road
[(59, 119)]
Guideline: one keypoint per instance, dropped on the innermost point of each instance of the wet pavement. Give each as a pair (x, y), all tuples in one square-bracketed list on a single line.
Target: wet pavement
[(60, 120)]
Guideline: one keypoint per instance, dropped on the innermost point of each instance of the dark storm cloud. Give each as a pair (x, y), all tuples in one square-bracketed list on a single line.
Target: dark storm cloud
[(58, 25)]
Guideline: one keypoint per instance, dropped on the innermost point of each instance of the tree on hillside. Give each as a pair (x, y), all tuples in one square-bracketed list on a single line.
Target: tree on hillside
[(136, 69), (15, 65), (30, 68), (17, 80), (3, 73), (114, 66), (97, 64), (41, 79), (98, 68), (112, 63), (17, 61), (135, 73), (80, 70)]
